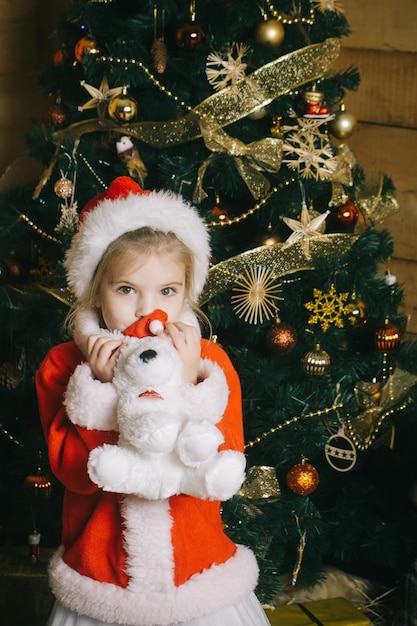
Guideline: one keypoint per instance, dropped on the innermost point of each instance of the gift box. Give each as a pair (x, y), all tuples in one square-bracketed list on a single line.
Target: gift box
[(330, 612)]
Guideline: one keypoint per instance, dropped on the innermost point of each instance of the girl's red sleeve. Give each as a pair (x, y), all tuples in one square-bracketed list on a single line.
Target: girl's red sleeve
[(68, 444), (231, 424)]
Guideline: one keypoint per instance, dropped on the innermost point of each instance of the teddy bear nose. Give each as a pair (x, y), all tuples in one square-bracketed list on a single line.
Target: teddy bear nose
[(147, 355)]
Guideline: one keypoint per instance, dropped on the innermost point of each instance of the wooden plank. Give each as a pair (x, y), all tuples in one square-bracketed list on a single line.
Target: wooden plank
[(19, 48), (382, 24), (394, 151), (406, 274), (388, 90)]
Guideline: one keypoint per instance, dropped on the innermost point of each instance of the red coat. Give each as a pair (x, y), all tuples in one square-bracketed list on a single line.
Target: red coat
[(125, 559)]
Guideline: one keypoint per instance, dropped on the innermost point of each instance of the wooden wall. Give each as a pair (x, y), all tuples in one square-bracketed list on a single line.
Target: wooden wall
[(383, 45), (27, 42)]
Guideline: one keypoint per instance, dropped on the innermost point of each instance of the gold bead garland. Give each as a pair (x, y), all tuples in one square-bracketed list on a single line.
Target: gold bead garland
[(292, 420), (152, 78), (289, 21), (251, 211), (38, 230)]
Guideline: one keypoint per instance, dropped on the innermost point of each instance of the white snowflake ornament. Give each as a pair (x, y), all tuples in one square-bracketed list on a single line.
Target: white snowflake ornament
[(221, 71)]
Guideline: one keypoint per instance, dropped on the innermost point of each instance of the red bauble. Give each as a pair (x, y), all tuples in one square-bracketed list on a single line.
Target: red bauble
[(55, 115), (281, 337), (303, 479), (346, 215), (58, 57), (191, 35), (387, 338)]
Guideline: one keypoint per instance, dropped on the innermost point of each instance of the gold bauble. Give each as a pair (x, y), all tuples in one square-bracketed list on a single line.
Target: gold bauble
[(257, 114), (270, 32), (316, 362), (343, 125), (122, 108), (358, 313), (64, 188)]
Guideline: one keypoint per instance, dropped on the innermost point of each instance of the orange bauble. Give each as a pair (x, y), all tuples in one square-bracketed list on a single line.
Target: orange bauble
[(303, 479), (39, 485), (387, 338), (82, 46)]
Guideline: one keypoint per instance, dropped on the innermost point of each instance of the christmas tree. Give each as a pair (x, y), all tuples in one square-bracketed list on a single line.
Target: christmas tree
[(235, 105)]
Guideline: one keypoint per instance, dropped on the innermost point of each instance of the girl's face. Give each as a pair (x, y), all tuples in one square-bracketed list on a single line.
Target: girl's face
[(129, 293)]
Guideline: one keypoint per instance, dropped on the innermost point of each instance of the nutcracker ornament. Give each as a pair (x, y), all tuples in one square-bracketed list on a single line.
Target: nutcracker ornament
[(313, 104)]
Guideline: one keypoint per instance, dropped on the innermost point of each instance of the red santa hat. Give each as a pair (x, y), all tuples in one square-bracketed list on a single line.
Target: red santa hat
[(125, 207)]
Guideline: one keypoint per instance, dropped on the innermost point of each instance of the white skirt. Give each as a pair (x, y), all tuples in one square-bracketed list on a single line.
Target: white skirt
[(248, 612)]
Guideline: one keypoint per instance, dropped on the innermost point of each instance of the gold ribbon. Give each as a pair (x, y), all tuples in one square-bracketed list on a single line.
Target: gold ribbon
[(375, 205), (342, 176), (228, 105), (261, 483), (265, 154), (280, 258), (379, 403)]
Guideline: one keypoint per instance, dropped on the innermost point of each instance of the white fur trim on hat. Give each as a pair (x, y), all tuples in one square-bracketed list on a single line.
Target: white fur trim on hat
[(159, 210)]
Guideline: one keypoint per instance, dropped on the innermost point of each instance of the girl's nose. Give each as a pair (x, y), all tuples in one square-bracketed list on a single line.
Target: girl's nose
[(145, 306)]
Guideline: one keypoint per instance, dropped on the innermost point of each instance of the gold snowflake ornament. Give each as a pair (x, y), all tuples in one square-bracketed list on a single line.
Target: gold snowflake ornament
[(328, 309), (254, 295)]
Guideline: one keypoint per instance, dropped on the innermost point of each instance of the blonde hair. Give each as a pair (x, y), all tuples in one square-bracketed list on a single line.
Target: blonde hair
[(130, 247)]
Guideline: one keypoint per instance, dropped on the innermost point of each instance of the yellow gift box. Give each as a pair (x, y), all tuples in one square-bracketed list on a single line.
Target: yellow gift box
[(330, 612)]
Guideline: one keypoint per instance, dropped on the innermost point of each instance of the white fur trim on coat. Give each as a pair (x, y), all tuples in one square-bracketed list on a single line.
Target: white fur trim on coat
[(151, 598), (159, 210)]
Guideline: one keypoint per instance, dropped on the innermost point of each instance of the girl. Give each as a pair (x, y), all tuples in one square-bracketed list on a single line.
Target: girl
[(126, 559)]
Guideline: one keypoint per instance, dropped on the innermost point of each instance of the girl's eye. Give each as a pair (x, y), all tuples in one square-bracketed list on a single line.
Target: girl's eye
[(125, 289), (167, 291)]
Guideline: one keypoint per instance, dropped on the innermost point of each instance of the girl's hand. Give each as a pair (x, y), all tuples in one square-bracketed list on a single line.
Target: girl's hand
[(102, 354), (186, 340)]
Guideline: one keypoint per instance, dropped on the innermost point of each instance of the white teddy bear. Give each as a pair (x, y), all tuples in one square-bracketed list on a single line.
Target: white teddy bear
[(168, 441)]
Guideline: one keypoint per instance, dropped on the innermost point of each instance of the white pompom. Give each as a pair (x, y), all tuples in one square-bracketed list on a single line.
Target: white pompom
[(155, 326)]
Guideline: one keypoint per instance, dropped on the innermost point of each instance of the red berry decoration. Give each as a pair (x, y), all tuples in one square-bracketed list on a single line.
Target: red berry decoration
[(346, 215), (387, 338), (55, 115), (303, 479), (281, 337)]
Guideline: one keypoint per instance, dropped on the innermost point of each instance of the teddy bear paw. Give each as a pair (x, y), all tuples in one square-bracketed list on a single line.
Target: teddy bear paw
[(108, 468), (225, 475), (197, 442)]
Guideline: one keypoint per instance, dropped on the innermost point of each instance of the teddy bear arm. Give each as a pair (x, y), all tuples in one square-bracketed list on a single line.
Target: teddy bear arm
[(89, 402)]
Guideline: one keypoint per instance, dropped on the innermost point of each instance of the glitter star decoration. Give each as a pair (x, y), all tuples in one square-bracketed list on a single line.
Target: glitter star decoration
[(254, 295), (99, 97), (305, 229), (328, 309), (221, 71)]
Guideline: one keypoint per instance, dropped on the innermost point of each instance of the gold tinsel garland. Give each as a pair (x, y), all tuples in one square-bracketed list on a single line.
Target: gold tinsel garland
[(230, 104), (279, 258)]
